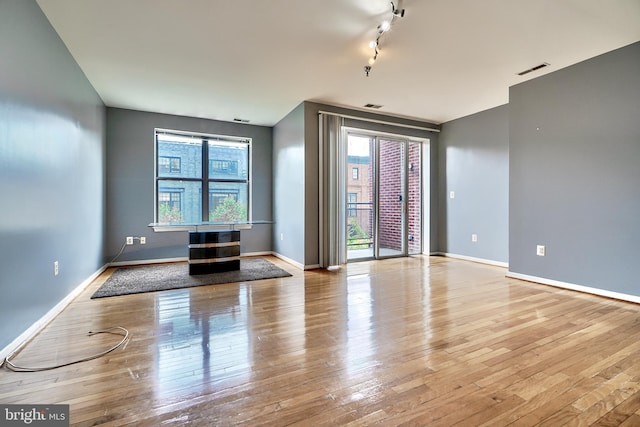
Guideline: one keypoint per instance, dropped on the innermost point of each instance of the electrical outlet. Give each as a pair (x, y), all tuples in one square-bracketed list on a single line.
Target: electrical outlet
[(452, 194), (474, 238), (143, 240), (281, 236), (56, 269), (540, 250), (129, 240)]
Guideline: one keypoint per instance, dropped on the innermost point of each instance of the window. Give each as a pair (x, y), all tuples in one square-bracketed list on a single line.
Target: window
[(201, 178), (223, 167), (169, 164), (354, 173), (170, 205), (352, 201), (217, 198)]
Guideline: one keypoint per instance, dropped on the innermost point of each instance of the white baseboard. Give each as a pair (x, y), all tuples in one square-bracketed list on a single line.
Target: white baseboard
[(27, 335), (289, 260), (147, 261), (473, 259), (250, 254), (574, 287)]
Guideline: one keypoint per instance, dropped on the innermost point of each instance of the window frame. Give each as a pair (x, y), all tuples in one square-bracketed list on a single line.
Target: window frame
[(205, 178)]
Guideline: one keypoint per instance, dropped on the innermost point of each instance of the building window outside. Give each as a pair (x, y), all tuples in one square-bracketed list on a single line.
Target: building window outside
[(170, 205), (223, 167), (354, 173), (218, 192), (217, 198), (168, 164), (352, 201)]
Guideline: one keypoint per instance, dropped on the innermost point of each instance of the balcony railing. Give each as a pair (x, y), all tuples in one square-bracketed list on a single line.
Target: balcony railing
[(359, 225)]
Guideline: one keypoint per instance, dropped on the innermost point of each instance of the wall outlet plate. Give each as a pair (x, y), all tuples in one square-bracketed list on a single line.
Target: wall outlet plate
[(130, 240), (540, 250), (474, 238), (143, 240)]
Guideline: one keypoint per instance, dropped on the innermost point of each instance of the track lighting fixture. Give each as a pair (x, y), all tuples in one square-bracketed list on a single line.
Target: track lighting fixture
[(383, 28)]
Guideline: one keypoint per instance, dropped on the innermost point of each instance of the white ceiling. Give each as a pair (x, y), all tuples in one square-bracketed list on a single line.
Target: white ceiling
[(259, 59)]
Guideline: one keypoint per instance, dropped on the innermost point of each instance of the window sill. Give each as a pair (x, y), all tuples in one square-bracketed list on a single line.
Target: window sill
[(205, 226)]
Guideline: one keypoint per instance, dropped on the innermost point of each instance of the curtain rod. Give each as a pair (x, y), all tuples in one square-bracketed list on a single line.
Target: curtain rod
[(382, 122), (199, 135)]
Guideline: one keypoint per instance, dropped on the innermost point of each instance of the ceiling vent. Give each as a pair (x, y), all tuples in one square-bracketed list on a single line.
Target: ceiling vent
[(241, 120), (536, 68), (374, 106)]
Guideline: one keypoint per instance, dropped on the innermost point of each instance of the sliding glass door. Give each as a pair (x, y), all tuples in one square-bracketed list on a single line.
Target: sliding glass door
[(391, 198), (384, 202), (360, 196)]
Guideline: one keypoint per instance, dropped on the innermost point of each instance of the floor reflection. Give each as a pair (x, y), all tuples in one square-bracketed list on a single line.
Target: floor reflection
[(358, 325), (212, 339), (201, 340), (376, 297)]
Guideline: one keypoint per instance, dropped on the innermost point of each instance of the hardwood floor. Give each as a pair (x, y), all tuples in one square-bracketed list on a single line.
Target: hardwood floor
[(411, 341)]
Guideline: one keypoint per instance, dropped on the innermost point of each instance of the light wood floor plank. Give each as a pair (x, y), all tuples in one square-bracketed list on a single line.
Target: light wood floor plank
[(408, 341)]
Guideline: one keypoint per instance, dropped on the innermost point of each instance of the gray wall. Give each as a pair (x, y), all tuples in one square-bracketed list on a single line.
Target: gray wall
[(52, 127), (289, 186), (474, 163), (130, 183), (575, 173)]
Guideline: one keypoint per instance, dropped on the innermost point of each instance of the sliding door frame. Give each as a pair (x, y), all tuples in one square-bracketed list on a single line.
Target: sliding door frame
[(424, 143)]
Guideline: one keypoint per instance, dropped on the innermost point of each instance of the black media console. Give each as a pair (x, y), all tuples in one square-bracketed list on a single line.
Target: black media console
[(214, 251)]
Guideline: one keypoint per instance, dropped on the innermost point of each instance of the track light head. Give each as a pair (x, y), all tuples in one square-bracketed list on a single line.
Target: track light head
[(383, 28), (397, 10)]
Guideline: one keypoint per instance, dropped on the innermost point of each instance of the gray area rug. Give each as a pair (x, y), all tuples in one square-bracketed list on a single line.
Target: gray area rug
[(135, 280)]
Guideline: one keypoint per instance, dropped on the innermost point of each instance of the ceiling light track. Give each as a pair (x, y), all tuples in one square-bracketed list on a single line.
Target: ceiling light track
[(383, 28)]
